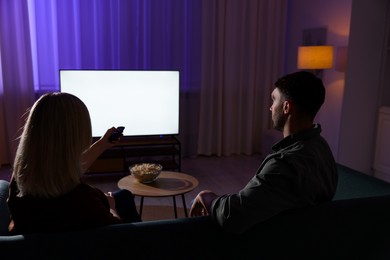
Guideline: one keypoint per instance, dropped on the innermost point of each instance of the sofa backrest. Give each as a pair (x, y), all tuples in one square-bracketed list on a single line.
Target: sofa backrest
[(343, 229)]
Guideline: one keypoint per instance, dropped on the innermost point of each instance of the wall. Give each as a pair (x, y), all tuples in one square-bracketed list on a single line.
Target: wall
[(363, 84), (335, 16)]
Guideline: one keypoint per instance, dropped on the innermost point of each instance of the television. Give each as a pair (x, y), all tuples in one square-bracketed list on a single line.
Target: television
[(144, 102)]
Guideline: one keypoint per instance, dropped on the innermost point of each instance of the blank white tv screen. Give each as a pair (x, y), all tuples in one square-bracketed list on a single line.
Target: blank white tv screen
[(144, 102)]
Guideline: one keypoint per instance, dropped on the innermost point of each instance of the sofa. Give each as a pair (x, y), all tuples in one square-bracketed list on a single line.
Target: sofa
[(354, 225)]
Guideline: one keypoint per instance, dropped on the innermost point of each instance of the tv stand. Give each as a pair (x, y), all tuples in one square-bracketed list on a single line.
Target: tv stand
[(165, 150)]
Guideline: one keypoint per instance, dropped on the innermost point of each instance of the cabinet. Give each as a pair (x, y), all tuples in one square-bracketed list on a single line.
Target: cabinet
[(385, 71), (165, 150), (382, 147)]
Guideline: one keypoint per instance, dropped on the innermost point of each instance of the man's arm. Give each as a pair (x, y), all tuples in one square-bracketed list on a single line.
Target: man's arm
[(269, 192)]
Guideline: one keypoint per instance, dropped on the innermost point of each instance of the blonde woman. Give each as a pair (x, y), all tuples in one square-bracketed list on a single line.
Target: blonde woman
[(46, 190)]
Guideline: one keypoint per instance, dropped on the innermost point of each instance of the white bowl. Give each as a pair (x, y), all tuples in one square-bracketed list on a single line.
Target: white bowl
[(145, 172)]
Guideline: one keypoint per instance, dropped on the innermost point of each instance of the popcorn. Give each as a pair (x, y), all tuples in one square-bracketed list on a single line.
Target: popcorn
[(146, 172), (146, 168)]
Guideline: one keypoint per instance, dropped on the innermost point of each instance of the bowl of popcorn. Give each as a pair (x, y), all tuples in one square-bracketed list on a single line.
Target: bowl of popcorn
[(145, 172)]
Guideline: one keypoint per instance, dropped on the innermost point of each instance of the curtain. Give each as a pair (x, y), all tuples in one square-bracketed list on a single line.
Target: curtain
[(16, 78), (38, 38), (242, 56), (228, 53)]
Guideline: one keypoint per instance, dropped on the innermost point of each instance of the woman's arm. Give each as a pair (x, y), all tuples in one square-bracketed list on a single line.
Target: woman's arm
[(202, 203), (96, 149)]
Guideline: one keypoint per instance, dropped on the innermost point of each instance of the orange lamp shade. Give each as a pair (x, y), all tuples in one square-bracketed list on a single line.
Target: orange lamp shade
[(315, 57)]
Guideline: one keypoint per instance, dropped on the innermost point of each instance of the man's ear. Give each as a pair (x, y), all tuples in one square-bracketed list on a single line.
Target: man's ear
[(287, 107)]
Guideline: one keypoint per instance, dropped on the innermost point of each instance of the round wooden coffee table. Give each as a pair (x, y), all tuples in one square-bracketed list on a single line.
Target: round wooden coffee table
[(168, 184)]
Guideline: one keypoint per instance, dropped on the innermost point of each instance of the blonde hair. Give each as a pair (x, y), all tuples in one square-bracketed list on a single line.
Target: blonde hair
[(48, 158)]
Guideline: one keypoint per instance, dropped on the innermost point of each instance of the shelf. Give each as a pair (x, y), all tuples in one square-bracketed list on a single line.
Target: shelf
[(165, 150), (105, 165), (146, 140), (150, 151)]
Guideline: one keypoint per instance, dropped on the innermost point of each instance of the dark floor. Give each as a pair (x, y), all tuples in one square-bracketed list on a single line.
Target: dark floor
[(219, 174)]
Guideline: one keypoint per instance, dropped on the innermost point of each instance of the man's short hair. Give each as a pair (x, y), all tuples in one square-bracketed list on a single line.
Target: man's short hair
[(304, 89)]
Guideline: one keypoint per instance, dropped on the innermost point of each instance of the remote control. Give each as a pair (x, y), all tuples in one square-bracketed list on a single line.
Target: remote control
[(116, 134)]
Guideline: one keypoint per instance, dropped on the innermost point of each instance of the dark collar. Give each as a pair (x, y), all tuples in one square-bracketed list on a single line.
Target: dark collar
[(306, 134)]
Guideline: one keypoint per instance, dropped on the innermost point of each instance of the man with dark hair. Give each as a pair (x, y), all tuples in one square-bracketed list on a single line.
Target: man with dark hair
[(301, 172)]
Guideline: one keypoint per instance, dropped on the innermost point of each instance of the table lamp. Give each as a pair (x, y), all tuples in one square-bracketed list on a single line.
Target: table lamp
[(315, 58)]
